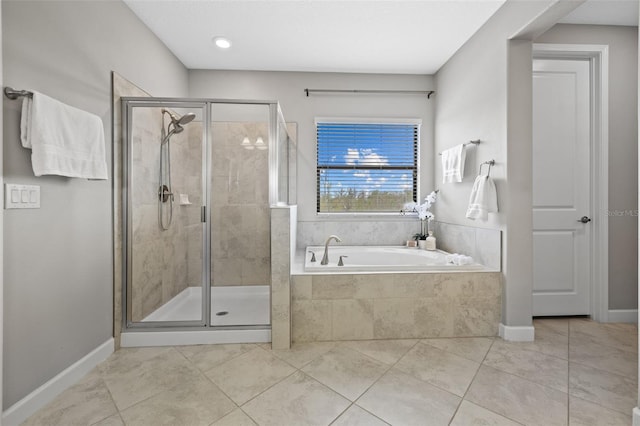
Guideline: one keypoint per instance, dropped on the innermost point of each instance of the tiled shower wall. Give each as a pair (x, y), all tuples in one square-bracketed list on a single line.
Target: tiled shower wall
[(240, 240), (161, 258)]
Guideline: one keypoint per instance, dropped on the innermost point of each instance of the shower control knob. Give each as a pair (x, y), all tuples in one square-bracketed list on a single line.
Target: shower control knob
[(584, 219)]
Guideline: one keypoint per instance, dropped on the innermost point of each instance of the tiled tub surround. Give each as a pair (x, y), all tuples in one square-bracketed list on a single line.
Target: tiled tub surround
[(484, 245), (361, 232), (283, 225), (165, 262), (395, 305), (241, 229)]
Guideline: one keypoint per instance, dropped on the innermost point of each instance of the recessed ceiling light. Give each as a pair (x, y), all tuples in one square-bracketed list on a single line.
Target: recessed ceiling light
[(222, 42)]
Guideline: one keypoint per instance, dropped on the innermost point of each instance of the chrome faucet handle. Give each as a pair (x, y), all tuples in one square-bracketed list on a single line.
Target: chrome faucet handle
[(340, 262), (313, 256)]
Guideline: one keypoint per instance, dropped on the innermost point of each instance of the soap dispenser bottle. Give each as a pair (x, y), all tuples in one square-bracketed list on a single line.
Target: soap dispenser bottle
[(430, 242)]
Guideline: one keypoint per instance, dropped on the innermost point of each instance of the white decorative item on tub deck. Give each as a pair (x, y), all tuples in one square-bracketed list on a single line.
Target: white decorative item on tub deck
[(382, 258), (425, 216)]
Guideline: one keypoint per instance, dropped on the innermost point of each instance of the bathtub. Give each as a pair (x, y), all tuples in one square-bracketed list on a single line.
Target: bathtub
[(381, 258)]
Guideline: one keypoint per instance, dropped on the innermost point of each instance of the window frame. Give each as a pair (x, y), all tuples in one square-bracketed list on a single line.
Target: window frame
[(417, 160)]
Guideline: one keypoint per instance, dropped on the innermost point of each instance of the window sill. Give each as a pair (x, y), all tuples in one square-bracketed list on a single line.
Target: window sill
[(362, 216)]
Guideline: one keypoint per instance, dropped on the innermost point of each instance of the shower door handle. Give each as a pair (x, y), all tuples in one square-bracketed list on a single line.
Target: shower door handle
[(203, 214)]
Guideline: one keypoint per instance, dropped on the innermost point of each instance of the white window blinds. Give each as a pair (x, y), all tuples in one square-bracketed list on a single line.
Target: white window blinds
[(366, 167)]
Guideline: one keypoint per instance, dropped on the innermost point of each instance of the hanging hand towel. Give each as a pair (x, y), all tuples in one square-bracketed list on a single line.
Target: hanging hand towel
[(64, 140), (453, 164), (484, 198)]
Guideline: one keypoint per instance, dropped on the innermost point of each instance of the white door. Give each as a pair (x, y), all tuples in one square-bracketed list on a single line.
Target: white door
[(561, 187)]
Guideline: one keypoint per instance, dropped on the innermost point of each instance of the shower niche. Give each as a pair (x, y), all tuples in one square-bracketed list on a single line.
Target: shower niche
[(199, 180)]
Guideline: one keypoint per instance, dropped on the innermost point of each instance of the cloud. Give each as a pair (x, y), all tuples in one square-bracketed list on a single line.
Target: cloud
[(355, 156), (374, 159), (352, 156)]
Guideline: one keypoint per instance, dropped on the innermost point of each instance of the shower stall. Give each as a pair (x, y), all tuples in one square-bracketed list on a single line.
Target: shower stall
[(199, 180)]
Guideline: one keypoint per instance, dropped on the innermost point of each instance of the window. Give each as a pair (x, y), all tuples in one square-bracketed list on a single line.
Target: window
[(366, 167)]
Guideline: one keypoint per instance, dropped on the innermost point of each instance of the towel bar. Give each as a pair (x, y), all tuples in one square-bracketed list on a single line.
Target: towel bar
[(476, 142), (13, 94)]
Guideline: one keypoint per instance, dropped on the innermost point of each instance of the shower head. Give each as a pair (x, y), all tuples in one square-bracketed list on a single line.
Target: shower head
[(187, 118), (176, 122), (179, 121)]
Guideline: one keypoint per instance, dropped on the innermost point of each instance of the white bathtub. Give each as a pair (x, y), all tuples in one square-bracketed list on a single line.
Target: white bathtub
[(381, 258)]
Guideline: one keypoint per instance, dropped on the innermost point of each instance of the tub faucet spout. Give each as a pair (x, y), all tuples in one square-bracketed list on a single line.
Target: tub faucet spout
[(325, 257)]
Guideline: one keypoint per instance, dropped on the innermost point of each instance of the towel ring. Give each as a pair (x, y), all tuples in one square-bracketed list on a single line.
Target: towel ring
[(489, 163)]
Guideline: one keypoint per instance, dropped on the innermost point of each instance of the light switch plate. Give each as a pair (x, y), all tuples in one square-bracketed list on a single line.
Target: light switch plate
[(21, 196)]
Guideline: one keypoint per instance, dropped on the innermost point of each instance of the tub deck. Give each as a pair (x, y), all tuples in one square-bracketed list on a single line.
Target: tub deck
[(367, 259)]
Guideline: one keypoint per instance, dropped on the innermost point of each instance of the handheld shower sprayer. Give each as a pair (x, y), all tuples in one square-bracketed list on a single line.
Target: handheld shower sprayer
[(165, 192)]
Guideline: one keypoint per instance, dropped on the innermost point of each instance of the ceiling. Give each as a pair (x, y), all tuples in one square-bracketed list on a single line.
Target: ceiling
[(604, 12), (368, 36)]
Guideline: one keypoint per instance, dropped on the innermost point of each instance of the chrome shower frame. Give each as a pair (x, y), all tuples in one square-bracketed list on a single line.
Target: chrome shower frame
[(204, 104)]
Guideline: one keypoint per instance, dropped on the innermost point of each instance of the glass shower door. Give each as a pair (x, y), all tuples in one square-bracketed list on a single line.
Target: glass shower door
[(164, 146), (240, 213)]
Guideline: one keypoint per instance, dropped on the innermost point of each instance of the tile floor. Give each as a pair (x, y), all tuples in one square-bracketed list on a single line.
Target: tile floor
[(577, 372)]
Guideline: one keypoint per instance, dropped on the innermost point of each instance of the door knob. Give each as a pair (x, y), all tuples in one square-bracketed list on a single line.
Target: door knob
[(584, 219)]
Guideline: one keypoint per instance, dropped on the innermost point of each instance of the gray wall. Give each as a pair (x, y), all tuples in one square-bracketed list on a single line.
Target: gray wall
[(58, 259), (623, 149), (484, 92), (288, 89)]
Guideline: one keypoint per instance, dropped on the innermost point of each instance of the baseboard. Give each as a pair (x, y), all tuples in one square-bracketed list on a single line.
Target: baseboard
[(623, 315), (23, 409), (200, 337), (517, 333), (636, 416)]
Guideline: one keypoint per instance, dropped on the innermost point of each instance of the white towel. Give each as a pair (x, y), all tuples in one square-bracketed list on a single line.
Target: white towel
[(63, 140), (459, 259), (453, 164), (484, 198)]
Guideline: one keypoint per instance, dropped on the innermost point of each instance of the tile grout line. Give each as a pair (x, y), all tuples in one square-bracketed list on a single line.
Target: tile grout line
[(308, 362), (110, 396), (594, 339), (448, 352), (342, 412), (500, 369), (278, 382), (213, 383), (471, 382), (363, 392), (474, 378), (381, 376), (143, 400), (221, 362), (594, 368)]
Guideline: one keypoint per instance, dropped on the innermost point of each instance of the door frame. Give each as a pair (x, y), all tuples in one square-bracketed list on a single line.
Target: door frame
[(598, 57)]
